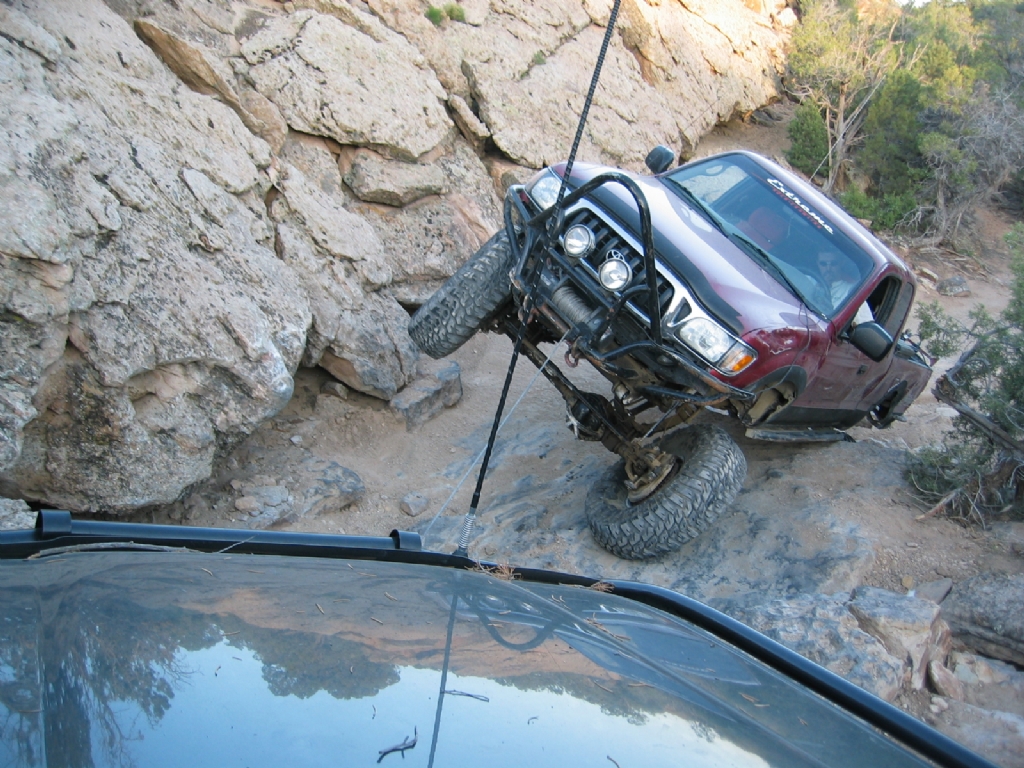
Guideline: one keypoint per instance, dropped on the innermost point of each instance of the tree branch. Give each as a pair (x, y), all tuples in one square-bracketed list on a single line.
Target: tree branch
[(945, 392)]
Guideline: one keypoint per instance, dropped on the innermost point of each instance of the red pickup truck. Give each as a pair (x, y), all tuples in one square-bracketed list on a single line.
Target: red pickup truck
[(728, 282)]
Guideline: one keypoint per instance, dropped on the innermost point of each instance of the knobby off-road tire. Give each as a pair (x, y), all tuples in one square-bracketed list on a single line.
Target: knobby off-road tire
[(467, 301), (708, 478)]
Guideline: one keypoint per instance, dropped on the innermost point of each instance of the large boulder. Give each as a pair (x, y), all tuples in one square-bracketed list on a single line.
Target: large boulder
[(149, 320), (881, 641), (984, 614), (331, 79), (908, 627)]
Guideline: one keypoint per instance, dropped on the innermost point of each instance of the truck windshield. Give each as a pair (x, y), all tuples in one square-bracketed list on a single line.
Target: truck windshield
[(817, 261)]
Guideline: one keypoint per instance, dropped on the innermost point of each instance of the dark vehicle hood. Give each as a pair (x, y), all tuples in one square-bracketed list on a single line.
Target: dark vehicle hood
[(183, 658), (723, 277)]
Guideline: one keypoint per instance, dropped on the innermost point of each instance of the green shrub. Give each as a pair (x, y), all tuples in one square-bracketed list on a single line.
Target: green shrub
[(436, 15), (809, 140), (885, 213), (455, 12), (858, 204), (891, 157)]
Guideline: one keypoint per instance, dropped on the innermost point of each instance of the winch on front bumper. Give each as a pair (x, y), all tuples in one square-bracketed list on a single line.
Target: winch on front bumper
[(612, 302)]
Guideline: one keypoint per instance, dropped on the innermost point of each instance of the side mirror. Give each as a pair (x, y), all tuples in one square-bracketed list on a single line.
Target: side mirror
[(660, 159), (871, 339)]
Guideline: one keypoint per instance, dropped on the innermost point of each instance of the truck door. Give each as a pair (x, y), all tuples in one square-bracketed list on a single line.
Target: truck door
[(838, 389), (891, 312)]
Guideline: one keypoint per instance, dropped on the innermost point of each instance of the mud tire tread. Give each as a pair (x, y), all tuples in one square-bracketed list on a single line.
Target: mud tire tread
[(710, 476), (467, 301)]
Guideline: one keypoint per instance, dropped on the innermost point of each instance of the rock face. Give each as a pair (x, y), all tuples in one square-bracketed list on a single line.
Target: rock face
[(364, 88), (673, 71), (984, 614), (196, 198)]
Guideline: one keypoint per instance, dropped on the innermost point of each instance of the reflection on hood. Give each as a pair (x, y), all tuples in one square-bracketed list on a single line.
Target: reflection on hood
[(127, 658)]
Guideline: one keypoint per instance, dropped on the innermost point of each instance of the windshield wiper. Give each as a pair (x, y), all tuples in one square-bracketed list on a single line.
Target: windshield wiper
[(768, 261), (701, 207)]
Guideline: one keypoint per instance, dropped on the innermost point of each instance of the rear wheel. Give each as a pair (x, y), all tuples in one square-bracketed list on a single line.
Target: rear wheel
[(470, 298), (708, 477)]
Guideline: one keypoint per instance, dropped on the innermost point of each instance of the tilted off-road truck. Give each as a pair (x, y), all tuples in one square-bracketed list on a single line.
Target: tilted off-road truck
[(728, 282)]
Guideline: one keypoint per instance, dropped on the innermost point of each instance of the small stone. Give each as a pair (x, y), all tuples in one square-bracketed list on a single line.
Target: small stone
[(414, 504), (945, 682), (954, 286), (907, 582), (236, 485), (940, 703), (335, 389), (296, 439), (254, 513), (912, 545), (966, 675), (247, 504), (438, 386), (271, 495), (934, 591)]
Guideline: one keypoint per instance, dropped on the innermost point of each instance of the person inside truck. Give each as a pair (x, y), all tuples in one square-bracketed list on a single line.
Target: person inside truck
[(835, 270)]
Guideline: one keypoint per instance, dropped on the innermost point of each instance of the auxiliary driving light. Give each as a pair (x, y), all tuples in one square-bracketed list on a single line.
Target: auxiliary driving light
[(615, 274), (577, 241)]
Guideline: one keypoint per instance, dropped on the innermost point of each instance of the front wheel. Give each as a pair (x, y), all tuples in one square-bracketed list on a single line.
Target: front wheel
[(467, 301), (710, 472)]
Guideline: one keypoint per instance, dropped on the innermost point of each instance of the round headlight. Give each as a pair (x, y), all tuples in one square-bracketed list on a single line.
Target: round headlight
[(578, 241), (615, 274)]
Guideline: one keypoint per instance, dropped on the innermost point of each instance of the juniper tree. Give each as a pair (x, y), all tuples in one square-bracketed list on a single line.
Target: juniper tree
[(978, 469)]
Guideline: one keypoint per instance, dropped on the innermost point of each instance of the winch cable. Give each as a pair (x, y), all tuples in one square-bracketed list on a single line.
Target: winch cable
[(590, 97), (469, 522), (504, 421)]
